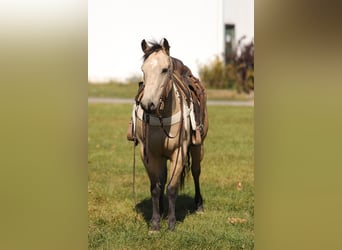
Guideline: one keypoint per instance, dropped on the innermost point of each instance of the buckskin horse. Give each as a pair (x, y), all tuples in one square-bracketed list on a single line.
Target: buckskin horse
[(170, 122)]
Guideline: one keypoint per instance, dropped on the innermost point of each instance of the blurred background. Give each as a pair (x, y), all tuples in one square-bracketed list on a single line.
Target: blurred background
[(45, 55), (214, 38)]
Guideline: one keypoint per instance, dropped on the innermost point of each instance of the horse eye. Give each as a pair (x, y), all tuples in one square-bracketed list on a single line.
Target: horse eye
[(164, 70)]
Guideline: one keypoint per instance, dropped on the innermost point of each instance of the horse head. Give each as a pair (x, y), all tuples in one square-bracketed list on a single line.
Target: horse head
[(156, 70)]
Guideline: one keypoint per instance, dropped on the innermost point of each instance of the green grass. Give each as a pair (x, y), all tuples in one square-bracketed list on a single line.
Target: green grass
[(229, 159), (118, 90)]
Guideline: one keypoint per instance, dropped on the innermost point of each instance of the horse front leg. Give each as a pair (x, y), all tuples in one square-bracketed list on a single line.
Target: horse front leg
[(157, 173), (176, 168), (163, 178), (172, 195), (155, 194), (197, 155)]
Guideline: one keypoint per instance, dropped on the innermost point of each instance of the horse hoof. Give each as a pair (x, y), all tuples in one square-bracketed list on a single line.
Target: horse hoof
[(172, 225), (200, 210), (153, 231), (154, 227)]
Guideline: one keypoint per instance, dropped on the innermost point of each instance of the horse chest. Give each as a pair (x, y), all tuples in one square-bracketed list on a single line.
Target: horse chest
[(157, 141)]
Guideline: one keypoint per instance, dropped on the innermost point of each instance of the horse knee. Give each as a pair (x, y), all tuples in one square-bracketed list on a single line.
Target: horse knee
[(172, 191), (155, 190)]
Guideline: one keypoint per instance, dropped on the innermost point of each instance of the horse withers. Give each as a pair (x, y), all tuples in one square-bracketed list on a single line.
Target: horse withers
[(170, 122)]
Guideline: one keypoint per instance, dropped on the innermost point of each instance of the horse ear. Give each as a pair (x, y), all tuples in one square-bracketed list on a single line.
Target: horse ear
[(166, 46), (144, 46)]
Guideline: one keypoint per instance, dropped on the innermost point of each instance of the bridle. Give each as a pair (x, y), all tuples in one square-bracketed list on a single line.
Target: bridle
[(163, 97), (173, 83)]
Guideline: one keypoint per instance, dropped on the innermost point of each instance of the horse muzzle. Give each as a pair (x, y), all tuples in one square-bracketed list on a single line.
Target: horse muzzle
[(149, 107)]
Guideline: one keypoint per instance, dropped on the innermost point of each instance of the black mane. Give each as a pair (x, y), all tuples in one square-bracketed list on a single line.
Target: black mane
[(154, 47)]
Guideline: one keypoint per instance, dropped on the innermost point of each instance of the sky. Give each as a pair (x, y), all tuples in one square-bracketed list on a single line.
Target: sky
[(116, 29)]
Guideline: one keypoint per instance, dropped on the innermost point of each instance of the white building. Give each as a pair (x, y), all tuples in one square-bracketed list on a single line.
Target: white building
[(238, 22), (196, 30)]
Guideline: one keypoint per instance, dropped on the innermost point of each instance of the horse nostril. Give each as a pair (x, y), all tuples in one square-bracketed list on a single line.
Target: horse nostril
[(148, 107), (151, 106)]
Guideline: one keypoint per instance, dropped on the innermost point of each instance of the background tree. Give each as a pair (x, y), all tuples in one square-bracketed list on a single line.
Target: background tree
[(237, 74)]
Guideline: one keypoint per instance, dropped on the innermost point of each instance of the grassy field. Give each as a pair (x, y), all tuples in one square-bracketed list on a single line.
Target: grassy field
[(130, 90), (227, 183)]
